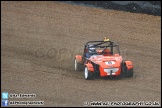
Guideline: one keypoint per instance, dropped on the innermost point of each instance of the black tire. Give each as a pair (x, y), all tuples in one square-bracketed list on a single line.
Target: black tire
[(129, 73), (122, 73), (87, 74), (78, 66)]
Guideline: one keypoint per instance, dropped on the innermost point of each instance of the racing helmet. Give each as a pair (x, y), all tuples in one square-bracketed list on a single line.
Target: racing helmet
[(92, 49)]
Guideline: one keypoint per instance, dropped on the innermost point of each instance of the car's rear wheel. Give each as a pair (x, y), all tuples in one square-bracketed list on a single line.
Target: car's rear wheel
[(77, 65), (87, 74), (128, 72)]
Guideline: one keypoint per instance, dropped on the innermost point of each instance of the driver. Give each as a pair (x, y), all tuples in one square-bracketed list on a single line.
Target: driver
[(91, 51)]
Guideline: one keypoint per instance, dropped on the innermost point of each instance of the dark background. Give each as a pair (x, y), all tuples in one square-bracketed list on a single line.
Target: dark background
[(146, 7)]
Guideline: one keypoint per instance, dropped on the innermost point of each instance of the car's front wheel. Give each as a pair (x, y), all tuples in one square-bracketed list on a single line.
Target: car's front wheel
[(87, 74)]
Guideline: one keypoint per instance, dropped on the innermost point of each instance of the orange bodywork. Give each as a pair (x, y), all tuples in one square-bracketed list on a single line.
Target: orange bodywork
[(90, 67), (106, 51), (108, 65), (129, 64), (78, 58)]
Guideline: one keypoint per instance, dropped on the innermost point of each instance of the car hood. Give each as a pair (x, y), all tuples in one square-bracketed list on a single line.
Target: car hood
[(106, 61)]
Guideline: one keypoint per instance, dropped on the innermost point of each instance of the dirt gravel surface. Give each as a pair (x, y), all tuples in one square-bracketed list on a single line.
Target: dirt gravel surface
[(40, 39)]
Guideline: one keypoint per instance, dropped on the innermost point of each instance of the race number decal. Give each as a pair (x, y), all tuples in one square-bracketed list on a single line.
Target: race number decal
[(110, 63)]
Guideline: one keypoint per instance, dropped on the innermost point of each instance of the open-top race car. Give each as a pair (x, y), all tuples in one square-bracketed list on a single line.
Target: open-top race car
[(102, 58)]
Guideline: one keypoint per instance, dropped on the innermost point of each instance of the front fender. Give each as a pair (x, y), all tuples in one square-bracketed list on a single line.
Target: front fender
[(90, 67), (129, 64), (79, 58)]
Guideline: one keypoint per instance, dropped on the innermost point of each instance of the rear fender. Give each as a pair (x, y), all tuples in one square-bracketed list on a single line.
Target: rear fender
[(79, 58), (90, 67), (128, 64)]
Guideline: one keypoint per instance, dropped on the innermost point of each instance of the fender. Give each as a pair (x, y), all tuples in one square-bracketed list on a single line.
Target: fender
[(79, 58), (90, 67), (129, 64)]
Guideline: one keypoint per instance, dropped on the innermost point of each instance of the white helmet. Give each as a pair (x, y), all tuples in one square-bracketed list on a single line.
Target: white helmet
[(92, 49)]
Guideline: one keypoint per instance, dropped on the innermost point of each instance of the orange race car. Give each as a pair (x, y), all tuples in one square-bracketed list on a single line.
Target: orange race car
[(102, 58)]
